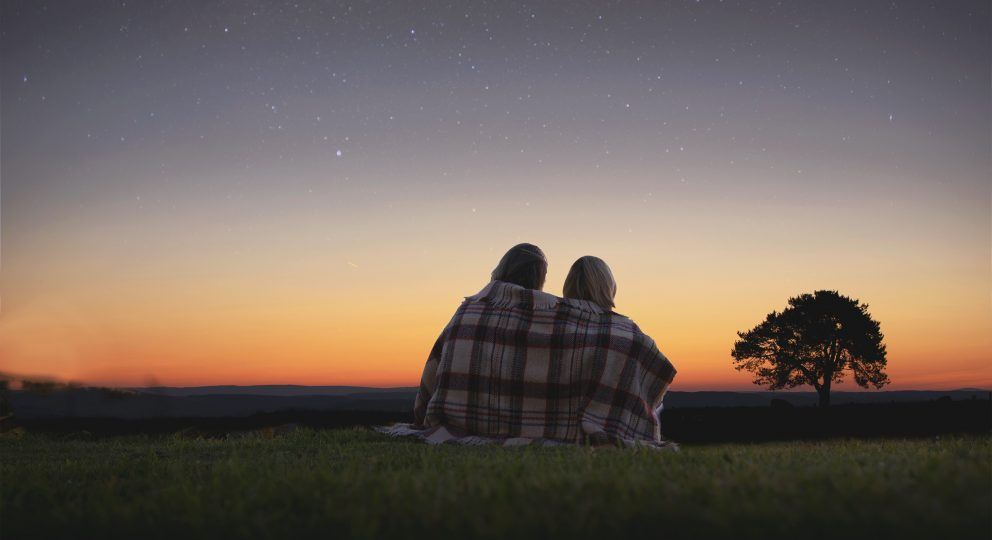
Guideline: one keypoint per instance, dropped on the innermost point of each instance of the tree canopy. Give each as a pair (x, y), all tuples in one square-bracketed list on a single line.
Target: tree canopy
[(815, 340)]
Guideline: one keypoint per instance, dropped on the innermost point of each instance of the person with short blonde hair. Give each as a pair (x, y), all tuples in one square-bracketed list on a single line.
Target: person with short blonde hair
[(516, 365), (591, 279)]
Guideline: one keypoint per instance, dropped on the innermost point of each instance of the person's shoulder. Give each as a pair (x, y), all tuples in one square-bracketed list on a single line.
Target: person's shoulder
[(590, 307), (499, 295), (621, 317), (625, 322), (628, 324), (586, 306)]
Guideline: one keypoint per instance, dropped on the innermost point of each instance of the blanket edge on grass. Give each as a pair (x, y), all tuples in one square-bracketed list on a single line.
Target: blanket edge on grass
[(436, 435)]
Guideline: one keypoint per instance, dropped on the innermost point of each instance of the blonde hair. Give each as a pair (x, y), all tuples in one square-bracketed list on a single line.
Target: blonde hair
[(591, 279)]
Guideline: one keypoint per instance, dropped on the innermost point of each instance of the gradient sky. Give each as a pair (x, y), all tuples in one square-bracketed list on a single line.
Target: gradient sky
[(253, 192)]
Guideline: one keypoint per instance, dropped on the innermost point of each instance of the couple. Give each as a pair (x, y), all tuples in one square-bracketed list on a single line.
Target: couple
[(517, 365)]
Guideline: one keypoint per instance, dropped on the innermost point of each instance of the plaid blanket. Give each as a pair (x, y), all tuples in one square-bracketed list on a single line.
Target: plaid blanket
[(518, 364), (444, 435)]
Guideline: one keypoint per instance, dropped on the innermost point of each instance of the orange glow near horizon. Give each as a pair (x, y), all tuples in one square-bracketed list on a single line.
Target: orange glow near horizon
[(258, 193), (370, 320)]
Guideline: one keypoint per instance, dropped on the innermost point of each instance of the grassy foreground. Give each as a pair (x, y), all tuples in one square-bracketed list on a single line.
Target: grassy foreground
[(354, 483)]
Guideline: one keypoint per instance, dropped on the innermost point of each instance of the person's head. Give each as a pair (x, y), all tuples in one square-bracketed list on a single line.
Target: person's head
[(523, 265), (591, 279)]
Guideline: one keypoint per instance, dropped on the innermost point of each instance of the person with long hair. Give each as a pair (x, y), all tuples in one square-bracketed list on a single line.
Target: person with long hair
[(591, 279), (517, 365)]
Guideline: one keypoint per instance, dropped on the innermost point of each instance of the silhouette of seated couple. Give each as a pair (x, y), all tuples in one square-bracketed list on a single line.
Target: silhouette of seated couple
[(516, 365)]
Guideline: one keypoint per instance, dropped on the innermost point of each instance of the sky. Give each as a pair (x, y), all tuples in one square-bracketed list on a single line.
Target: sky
[(259, 192)]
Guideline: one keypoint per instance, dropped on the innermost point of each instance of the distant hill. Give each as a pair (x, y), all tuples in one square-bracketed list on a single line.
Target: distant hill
[(235, 401), (271, 390), (800, 399)]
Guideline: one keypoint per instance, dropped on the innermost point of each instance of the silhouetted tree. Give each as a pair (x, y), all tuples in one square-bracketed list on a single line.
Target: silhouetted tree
[(813, 341)]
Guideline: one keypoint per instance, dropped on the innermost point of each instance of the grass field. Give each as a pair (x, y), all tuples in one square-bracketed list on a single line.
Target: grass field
[(355, 483)]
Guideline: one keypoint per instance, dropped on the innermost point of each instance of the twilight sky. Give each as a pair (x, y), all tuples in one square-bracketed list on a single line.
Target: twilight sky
[(256, 192)]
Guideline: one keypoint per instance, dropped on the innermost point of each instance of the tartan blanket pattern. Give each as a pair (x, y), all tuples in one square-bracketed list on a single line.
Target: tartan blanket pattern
[(515, 363), (442, 435)]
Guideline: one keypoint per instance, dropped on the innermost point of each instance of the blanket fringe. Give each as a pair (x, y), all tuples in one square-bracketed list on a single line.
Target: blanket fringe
[(442, 435)]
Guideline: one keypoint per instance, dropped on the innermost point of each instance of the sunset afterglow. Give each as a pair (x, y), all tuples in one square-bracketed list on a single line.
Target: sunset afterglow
[(252, 196)]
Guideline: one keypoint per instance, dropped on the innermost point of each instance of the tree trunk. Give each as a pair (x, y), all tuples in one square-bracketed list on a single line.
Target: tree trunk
[(824, 392)]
